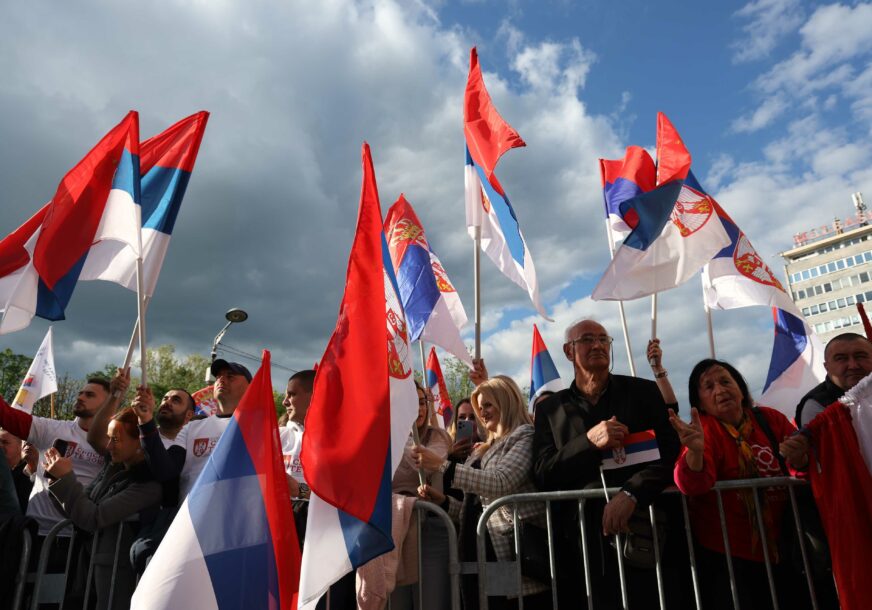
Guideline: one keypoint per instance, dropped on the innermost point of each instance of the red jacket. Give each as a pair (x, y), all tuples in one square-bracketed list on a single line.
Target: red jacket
[(721, 463)]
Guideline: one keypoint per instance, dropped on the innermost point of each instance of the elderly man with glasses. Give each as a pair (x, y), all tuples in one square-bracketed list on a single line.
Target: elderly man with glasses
[(575, 430)]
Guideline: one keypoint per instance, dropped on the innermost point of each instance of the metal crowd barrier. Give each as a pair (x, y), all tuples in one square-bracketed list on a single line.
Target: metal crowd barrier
[(505, 578), (51, 588)]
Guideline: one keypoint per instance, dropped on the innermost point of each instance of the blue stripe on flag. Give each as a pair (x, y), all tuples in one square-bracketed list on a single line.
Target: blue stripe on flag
[(127, 175), (230, 521), (418, 290), (431, 378), (50, 304), (618, 192), (365, 541), (653, 209), (790, 342), (543, 371), (509, 226), (163, 189)]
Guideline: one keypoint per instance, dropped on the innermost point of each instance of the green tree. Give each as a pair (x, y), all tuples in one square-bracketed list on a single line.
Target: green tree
[(456, 375), (13, 367), (65, 399)]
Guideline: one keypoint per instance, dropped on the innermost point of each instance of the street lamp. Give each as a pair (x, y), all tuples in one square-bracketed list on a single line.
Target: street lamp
[(233, 316)]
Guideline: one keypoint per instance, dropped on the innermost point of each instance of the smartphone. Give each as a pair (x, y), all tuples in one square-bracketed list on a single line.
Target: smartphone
[(465, 428), (60, 446)]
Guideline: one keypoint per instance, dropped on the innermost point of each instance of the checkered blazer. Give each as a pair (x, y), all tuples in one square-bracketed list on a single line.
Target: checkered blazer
[(506, 468)]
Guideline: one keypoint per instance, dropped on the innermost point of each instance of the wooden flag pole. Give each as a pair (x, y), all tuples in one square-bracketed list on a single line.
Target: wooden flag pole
[(621, 305), (52, 405)]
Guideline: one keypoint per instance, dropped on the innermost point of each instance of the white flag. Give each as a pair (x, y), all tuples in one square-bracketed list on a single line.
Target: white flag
[(40, 380)]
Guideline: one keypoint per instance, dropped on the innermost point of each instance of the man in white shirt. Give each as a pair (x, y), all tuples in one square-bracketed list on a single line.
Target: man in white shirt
[(193, 445), (42, 433)]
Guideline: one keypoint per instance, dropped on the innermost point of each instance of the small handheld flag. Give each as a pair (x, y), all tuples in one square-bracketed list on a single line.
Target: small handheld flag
[(543, 374), (436, 384), (41, 378), (638, 448)]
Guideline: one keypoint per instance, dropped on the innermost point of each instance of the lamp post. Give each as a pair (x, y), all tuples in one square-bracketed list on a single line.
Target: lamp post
[(233, 316)]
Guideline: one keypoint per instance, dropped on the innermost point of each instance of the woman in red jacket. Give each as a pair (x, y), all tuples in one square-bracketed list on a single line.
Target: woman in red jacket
[(727, 438)]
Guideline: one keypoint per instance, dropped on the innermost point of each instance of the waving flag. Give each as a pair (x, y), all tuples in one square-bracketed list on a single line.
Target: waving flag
[(436, 384), (737, 276), (166, 163), (40, 379), (233, 543), (424, 285), (637, 448), (625, 179), (363, 407), (488, 136), (97, 200), (543, 374), (797, 363), (674, 231)]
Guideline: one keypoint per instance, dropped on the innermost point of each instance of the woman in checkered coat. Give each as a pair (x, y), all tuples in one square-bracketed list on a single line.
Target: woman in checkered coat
[(500, 466)]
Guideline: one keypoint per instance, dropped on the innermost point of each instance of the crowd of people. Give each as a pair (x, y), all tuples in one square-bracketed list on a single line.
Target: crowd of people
[(122, 471)]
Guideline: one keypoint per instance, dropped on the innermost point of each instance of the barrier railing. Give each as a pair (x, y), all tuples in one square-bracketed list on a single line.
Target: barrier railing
[(50, 587), (502, 572)]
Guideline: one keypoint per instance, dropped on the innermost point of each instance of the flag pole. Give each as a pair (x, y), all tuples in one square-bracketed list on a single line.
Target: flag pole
[(52, 405), (140, 323), (654, 316), (423, 363), (133, 337), (708, 318), (621, 305), (476, 266)]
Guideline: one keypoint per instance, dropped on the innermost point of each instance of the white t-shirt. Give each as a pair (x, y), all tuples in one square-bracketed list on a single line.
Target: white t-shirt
[(292, 442), (198, 438), (87, 463)]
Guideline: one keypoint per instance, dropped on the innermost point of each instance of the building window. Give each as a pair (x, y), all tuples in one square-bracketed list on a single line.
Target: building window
[(867, 256), (841, 302), (815, 310), (840, 264), (860, 298), (858, 259), (855, 319), (864, 277), (818, 290), (849, 299), (828, 287), (849, 262), (813, 272)]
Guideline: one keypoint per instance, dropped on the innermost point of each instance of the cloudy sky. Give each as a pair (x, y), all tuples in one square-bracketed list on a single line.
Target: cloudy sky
[(772, 99)]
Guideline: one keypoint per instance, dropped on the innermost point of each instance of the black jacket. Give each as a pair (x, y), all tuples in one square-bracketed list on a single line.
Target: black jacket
[(824, 394), (564, 458)]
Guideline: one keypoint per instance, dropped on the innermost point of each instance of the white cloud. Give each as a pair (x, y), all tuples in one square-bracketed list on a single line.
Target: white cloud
[(767, 112), (769, 21)]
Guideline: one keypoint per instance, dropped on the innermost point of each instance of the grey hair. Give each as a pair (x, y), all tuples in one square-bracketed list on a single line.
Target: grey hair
[(576, 323)]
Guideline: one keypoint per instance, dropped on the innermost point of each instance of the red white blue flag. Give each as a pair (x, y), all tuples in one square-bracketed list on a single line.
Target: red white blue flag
[(674, 231), (166, 163), (638, 448), (363, 407), (436, 384), (233, 543), (488, 136), (797, 363), (429, 299), (97, 200), (543, 374)]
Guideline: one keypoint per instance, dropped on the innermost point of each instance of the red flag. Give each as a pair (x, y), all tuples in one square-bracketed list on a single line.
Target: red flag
[(13, 255), (673, 158), (436, 385), (76, 209), (348, 425), (488, 135), (843, 492)]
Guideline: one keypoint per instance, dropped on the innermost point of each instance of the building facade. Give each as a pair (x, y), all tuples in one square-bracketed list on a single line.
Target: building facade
[(828, 272)]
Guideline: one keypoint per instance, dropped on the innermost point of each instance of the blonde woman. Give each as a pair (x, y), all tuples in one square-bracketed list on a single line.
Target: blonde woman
[(499, 466)]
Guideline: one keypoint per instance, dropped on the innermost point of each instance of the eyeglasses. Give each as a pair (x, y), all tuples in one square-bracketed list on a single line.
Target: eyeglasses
[(589, 340)]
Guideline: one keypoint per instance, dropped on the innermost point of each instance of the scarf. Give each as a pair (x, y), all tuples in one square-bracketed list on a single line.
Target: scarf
[(748, 470)]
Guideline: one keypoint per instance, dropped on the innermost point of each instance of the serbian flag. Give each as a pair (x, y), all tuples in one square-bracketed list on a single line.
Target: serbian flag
[(488, 136), (97, 200), (363, 406), (638, 448), (623, 180), (233, 543), (40, 379), (737, 276), (166, 163), (797, 363), (436, 384), (422, 291), (839, 470), (543, 374), (674, 230)]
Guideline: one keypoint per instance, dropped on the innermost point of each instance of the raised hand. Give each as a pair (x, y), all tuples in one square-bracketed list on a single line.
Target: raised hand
[(655, 355), (426, 459), (690, 435), (55, 464), (478, 375), (119, 383), (426, 492), (143, 404), (608, 434)]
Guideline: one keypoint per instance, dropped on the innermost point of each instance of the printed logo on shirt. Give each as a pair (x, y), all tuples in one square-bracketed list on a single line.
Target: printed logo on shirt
[(82, 454), (204, 446), (293, 465), (71, 449)]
